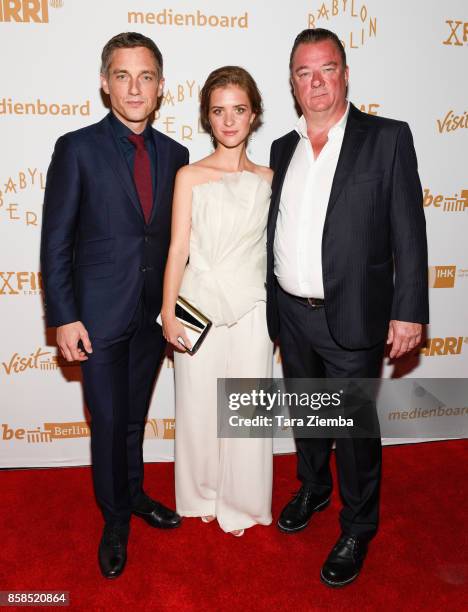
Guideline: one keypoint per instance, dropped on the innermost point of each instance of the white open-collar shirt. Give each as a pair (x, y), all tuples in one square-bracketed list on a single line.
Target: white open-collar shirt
[(301, 216)]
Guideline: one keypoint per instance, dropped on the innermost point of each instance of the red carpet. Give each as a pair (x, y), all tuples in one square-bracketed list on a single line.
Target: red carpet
[(51, 529)]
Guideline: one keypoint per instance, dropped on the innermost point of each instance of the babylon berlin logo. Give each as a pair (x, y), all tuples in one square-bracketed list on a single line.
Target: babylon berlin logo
[(25, 181), (175, 99), (362, 24)]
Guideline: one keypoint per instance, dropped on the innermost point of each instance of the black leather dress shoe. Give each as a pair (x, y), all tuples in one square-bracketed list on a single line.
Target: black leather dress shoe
[(298, 512), (112, 553), (155, 514), (344, 562)]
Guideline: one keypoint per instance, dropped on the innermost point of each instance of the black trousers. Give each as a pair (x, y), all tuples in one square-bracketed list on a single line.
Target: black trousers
[(118, 380), (309, 351)]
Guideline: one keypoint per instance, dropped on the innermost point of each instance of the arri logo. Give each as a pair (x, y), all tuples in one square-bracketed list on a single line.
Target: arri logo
[(439, 347), (27, 11)]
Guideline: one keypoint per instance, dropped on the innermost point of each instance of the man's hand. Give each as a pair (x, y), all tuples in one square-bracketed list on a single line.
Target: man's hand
[(68, 337), (403, 337)]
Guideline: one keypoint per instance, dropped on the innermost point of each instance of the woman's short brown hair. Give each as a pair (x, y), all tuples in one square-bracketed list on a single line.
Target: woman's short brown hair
[(223, 77)]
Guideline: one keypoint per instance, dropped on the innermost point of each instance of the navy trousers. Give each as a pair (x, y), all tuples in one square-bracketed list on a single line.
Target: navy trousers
[(118, 381)]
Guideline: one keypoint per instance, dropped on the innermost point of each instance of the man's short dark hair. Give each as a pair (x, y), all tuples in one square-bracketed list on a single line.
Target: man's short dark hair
[(315, 35), (128, 40)]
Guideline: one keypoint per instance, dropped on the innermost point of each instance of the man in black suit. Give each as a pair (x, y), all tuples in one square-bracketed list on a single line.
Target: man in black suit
[(347, 273), (105, 237)]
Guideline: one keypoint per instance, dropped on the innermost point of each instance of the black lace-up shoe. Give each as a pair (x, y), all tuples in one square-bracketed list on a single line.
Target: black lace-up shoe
[(156, 514), (344, 562), (298, 512), (112, 553)]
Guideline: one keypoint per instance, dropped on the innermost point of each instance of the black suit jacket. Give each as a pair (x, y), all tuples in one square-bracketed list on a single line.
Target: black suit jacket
[(374, 252), (97, 253)]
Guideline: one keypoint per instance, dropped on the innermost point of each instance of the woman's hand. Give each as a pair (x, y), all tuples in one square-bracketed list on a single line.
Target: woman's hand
[(174, 332)]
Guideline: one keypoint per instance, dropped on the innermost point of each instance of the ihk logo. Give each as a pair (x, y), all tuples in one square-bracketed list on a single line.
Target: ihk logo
[(27, 11), (458, 35), (442, 277)]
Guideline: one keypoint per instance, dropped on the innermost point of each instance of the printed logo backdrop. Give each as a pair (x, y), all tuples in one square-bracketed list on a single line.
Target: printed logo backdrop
[(406, 62)]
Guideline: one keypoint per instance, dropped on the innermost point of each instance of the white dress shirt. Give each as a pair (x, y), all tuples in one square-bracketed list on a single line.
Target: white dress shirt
[(301, 216)]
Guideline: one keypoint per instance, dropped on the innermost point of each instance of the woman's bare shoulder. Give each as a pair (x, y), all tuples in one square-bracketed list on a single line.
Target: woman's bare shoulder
[(199, 172), (192, 174), (265, 172)]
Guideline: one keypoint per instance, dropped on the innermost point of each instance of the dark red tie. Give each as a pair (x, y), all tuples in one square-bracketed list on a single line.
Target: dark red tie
[(142, 175)]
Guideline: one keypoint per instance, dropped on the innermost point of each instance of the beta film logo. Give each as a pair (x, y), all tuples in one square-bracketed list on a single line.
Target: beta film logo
[(372, 108), (355, 23), (27, 11), (458, 33)]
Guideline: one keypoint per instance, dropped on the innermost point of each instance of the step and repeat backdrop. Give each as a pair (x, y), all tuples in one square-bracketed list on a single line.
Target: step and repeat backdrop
[(407, 60)]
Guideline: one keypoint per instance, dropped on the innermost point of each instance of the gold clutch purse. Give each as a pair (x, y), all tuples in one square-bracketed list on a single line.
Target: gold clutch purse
[(196, 324)]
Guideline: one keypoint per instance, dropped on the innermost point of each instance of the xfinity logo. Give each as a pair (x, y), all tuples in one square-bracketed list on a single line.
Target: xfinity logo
[(458, 35)]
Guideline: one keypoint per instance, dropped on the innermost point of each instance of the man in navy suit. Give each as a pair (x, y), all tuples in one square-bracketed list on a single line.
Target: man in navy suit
[(105, 237), (347, 274)]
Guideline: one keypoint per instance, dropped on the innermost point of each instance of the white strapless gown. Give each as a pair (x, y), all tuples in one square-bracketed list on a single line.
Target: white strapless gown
[(228, 478)]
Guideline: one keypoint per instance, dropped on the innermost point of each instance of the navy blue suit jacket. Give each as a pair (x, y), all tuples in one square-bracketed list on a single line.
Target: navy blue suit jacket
[(97, 254), (374, 251)]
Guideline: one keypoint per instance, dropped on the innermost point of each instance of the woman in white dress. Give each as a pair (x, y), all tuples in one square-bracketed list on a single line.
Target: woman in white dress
[(219, 221)]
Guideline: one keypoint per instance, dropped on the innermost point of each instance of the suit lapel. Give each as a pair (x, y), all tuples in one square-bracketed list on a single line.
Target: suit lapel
[(110, 148), (354, 136), (162, 161), (286, 154)]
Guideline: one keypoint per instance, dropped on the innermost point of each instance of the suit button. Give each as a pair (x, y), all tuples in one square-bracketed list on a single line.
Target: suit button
[(147, 239), (142, 268)]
